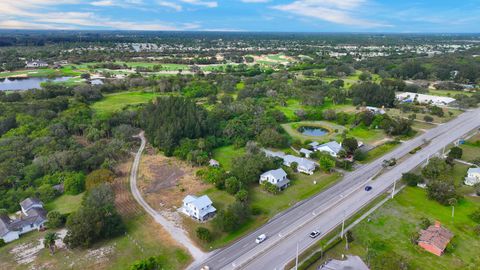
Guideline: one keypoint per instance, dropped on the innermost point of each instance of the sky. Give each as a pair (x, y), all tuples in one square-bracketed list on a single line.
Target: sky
[(399, 16)]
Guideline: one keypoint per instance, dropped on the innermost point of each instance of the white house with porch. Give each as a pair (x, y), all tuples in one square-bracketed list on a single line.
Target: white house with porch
[(473, 177), (276, 177), (33, 217), (199, 208), (332, 148)]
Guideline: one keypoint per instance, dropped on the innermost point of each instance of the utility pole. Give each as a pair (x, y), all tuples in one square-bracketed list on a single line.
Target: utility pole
[(343, 225), (393, 191), (296, 259)]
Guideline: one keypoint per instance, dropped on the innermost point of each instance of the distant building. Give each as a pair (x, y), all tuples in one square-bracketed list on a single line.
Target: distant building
[(304, 165), (351, 263), (33, 217), (473, 177), (332, 148), (375, 110), (199, 208), (276, 177), (35, 64), (213, 163), (408, 97), (435, 239)]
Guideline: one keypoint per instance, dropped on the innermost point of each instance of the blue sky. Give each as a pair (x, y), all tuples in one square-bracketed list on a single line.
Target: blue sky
[(244, 15)]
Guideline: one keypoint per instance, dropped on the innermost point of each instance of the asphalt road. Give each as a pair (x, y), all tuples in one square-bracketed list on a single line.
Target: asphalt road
[(326, 210)]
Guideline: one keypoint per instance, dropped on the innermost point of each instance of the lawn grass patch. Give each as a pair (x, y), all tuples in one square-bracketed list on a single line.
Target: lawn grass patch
[(367, 135), (380, 151), (227, 154), (116, 102), (65, 204)]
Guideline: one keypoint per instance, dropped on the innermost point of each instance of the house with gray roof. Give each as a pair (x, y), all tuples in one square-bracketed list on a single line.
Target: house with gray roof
[(36, 64), (473, 177), (306, 152), (303, 165), (332, 148), (33, 217), (199, 208), (276, 177)]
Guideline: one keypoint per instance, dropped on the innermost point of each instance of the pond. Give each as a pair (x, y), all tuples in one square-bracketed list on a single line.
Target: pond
[(26, 83), (313, 131)]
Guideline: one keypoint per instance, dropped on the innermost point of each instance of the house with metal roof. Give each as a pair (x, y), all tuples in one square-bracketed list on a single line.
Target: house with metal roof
[(33, 217), (276, 177), (200, 208), (473, 177), (332, 148)]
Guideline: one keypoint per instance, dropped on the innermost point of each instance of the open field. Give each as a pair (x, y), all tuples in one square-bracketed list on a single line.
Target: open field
[(293, 105), (380, 151), (65, 204), (116, 102), (334, 130), (436, 120), (447, 93), (226, 155), (42, 72), (391, 227), (369, 136)]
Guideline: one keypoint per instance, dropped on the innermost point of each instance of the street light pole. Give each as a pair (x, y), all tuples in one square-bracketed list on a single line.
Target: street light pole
[(393, 191), (296, 259)]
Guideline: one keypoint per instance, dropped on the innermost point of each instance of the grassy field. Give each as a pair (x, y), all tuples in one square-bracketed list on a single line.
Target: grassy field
[(380, 151), (65, 203), (116, 102), (471, 150), (447, 117), (226, 154), (447, 93), (42, 72), (334, 130), (293, 105), (369, 136), (394, 223)]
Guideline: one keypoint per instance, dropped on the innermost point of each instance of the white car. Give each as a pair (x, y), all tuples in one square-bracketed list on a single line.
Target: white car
[(260, 238), (314, 234)]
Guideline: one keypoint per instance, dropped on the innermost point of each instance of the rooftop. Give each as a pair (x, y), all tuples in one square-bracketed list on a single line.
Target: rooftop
[(436, 235)]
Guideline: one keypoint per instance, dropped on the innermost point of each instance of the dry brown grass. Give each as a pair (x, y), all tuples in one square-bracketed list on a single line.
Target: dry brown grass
[(164, 181), (124, 201)]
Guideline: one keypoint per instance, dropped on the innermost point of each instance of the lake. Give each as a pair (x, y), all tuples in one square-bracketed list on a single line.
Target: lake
[(312, 131), (27, 83)]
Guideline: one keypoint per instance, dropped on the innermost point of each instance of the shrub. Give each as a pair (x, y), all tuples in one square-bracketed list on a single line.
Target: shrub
[(99, 177), (74, 184), (55, 219), (412, 179), (425, 223), (428, 118), (232, 185), (204, 234)]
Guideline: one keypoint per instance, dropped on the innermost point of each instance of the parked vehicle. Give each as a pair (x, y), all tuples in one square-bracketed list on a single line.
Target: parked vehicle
[(260, 238), (314, 234)]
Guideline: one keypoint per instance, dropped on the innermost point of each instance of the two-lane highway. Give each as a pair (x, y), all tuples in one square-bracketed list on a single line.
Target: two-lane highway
[(326, 210)]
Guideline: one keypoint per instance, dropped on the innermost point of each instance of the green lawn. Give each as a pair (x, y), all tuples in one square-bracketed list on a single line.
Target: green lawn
[(226, 155), (116, 102), (65, 204), (366, 135), (42, 72), (447, 93), (334, 130), (289, 110), (380, 151), (447, 117), (397, 220)]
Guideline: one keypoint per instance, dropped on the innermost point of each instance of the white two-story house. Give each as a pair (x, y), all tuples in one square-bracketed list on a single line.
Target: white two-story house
[(199, 208), (276, 177), (473, 177)]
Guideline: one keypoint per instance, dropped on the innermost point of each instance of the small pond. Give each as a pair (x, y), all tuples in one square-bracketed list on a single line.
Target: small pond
[(313, 131), (26, 83)]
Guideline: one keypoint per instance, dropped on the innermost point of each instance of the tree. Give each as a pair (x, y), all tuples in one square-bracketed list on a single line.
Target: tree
[(372, 94), (242, 195), (96, 219), (455, 153), (441, 191), (232, 185), (435, 167), (98, 177), (294, 166), (150, 263), (428, 118), (49, 241), (350, 145), (204, 234), (55, 219), (327, 163), (475, 215), (271, 138), (425, 223), (412, 179), (74, 184)]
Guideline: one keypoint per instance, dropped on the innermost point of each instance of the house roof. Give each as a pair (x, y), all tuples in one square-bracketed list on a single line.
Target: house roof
[(29, 202), (4, 225), (302, 162), (351, 263), (189, 199), (198, 202), (436, 235), (474, 170), (269, 153), (277, 174), (333, 145), (305, 151), (313, 144)]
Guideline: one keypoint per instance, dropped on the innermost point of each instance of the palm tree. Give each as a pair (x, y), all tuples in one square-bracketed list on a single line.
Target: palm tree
[(49, 241)]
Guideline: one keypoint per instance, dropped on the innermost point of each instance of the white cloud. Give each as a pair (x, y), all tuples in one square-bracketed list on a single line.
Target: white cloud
[(210, 4), (255, 1), (104, 3), (169, 4), (335, 11)]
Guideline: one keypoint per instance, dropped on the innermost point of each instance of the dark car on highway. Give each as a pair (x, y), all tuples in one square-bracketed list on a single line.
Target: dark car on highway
[(368, 188)]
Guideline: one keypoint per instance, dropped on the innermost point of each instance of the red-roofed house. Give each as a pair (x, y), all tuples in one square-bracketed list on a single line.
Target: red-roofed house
[(435, 239)]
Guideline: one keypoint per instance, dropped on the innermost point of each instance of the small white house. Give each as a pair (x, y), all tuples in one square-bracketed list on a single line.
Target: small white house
[(306, 152), (199, 208), (473, 177), (276, 177), (332, 148), (213, 163), (36, 64), (375, 110)]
